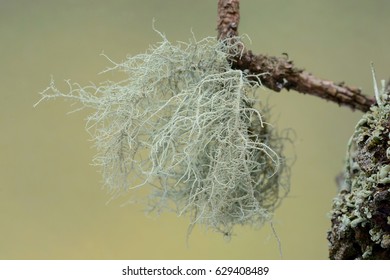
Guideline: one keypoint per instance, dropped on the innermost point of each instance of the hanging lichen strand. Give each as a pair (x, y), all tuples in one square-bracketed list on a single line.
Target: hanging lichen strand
[(186, 124)]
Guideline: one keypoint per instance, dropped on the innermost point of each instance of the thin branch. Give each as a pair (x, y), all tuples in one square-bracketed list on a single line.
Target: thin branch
[(228, 18), (282, 74)]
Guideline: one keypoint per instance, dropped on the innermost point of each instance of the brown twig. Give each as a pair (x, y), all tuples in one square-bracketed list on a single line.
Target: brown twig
[(280, 72), (228, 18)]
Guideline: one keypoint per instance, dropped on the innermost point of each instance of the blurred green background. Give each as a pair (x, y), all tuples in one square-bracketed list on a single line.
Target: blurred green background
[(52, 204)]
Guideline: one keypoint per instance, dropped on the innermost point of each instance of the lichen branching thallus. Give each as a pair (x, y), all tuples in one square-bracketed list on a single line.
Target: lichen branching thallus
[(187, 125)]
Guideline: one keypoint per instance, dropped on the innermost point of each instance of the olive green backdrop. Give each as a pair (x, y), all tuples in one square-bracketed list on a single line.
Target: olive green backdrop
[(52, 204)]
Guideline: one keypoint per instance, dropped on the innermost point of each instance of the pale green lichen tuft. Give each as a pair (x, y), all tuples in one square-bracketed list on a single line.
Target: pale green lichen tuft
[(187, 124)]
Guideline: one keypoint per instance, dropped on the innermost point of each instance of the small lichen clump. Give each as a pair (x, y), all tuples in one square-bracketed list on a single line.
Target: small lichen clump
[(184, 122), (361, 211)]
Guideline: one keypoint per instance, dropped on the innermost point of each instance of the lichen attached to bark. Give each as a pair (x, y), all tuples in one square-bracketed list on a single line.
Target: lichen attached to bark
[(361, 211)]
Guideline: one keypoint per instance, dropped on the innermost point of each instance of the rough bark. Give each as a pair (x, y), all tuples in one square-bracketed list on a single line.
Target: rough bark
[(360, 214)]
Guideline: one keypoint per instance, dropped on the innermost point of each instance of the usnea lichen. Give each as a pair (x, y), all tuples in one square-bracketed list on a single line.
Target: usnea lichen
[(186, 124), (360, 214)]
